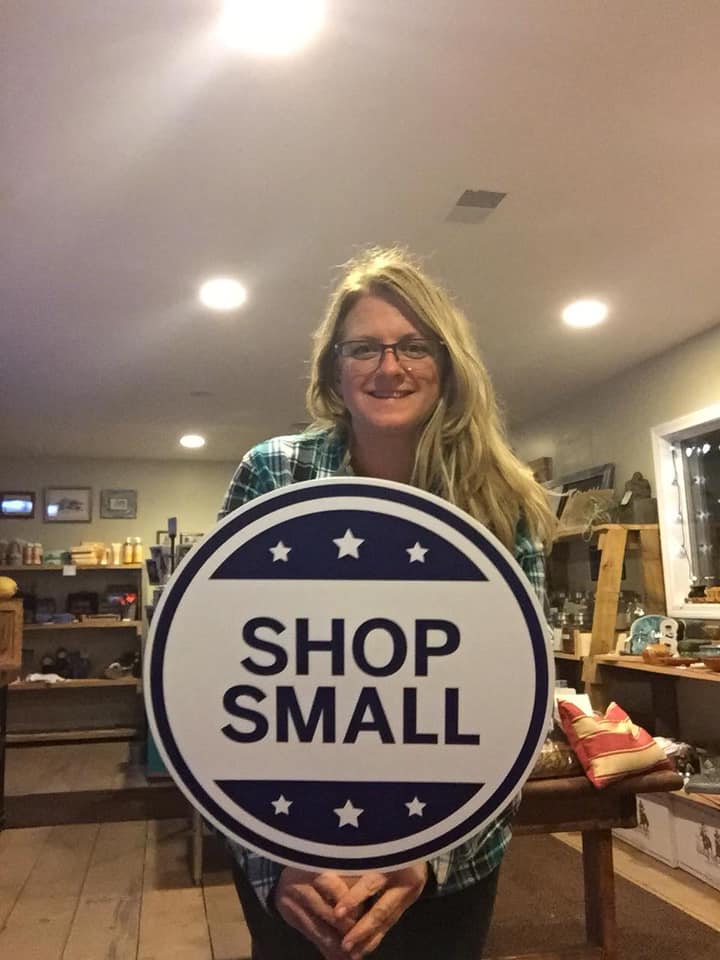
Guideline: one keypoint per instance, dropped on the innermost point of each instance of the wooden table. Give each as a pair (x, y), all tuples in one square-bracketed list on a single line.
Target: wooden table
[(574, 804)]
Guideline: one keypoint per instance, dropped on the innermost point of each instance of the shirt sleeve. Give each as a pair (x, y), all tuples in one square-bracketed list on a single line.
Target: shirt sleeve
[(251, 479)]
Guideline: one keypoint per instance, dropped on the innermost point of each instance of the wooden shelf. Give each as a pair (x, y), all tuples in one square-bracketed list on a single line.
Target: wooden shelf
[(703, 800), (74, 736), (86, 625), (580, 530), (680, 673), (75, 684), (58, 568), (559, 655)]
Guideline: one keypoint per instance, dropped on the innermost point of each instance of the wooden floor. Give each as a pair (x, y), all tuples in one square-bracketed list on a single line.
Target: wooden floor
[(122, 891), (113, 891)]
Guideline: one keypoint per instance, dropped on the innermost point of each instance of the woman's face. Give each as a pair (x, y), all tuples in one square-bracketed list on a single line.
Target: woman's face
[(387, 395)]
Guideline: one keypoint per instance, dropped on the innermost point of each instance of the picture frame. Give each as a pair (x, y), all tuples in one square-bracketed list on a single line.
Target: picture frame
[(67, 505), (118, 504), (190, 538), (17, 504), (162, 538), (600, 477)]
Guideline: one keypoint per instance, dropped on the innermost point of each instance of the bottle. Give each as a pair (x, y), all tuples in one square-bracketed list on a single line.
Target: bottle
[(127, 555), (37, 554), (27, 554), (567, 633), (116, 554), (137, 550)]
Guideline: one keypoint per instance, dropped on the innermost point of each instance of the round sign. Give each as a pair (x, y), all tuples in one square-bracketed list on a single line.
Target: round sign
[(348, 674)]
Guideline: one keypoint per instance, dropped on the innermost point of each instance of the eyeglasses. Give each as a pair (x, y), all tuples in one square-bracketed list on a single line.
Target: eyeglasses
[(369, 351)]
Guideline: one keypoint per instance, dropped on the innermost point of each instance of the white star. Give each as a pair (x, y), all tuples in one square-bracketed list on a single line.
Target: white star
[(415, 807), (348, 545), (416, 553), (281, 805), (348, 814), (280, 551)]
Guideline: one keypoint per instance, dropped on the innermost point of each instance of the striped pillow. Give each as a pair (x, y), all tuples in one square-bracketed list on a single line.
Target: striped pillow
[(610, 747)]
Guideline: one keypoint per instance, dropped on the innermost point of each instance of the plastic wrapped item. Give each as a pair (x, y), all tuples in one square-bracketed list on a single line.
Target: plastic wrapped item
[(556, 759)]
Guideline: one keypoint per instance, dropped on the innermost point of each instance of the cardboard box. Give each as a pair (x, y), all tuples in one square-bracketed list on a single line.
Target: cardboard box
[(655, 832), (697, 834)]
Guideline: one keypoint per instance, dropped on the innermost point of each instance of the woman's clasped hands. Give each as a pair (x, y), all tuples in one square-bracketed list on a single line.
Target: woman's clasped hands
[(332, 911)]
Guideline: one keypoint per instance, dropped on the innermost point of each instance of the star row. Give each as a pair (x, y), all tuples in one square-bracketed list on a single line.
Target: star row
[(349, 546), (348, 815)]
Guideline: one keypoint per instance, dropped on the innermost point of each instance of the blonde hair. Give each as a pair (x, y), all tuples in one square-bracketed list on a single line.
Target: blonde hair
[(462, 455)]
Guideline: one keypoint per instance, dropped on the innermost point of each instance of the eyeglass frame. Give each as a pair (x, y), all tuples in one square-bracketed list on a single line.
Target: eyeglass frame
[(433, 353)]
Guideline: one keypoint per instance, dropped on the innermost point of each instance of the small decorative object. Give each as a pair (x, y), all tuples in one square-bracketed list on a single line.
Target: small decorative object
[(118, 504), (68, 505), (8, 588), (637, 505), (542, 469), (653, 629), (18, 505), (191, 538)]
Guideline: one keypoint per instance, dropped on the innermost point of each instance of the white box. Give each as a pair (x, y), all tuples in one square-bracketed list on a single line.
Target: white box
[(697, 833), (655, 832)]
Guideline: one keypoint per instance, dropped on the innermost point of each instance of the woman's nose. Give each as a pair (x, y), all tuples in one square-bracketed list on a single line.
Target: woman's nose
[(389, 362)]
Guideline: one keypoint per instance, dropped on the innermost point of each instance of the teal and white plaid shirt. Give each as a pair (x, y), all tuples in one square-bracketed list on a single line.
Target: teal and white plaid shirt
[(310, 456)]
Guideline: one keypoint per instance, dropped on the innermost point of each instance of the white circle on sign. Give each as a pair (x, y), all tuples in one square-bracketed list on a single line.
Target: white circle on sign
[(349, 674)]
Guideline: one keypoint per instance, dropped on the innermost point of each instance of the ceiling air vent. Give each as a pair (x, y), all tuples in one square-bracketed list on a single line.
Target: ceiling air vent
[(474, 206)]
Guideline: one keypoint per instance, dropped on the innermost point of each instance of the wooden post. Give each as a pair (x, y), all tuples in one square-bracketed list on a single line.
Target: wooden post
[(599, 891), (652, 571)]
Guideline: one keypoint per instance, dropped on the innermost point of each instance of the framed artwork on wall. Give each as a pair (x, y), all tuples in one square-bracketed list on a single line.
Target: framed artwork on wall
[(17, 505), (118, 504), (600, 477), (68, 505)]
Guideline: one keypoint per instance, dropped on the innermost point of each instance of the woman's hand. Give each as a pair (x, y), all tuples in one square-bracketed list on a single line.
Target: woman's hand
[(305, 900), (398, 890)]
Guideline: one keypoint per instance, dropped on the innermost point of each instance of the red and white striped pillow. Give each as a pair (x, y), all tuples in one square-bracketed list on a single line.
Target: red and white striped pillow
[(610, 747)]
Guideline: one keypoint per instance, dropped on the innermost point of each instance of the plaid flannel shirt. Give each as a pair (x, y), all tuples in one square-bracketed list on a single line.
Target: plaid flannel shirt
[(323, 453)]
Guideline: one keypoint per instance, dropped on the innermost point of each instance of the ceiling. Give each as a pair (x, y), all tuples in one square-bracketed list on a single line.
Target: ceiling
[(140, 156)]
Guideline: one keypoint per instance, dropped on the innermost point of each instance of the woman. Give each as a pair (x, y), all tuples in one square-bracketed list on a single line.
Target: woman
[(397, 392)]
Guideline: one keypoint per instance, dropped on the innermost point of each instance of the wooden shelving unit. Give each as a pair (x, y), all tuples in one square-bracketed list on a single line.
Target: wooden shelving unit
[(74, 684), (559, 655), (637, 663), (57, 568), (85, 625)]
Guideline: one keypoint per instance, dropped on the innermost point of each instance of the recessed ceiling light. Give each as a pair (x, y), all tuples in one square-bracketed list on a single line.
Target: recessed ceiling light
[(585, 313), (193, 441), (272, 27), (222, 293)]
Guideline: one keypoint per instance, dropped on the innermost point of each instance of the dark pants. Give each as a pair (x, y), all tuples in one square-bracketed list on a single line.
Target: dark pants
[(453, 927)]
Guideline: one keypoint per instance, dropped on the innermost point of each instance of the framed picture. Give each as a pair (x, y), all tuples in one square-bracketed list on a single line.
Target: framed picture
[(594, 478), (118, 504), (190, 538), (18, 505), (68, 505), (162, 537)]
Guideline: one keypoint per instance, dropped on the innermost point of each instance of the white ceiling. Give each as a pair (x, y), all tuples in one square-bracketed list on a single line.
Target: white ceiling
[(140, 156)]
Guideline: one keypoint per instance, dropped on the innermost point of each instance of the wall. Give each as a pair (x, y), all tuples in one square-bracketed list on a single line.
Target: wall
[(192, 492), (612, 422)]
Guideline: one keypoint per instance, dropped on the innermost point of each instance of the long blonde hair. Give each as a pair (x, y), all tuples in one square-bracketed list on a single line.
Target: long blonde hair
[(462, 454)]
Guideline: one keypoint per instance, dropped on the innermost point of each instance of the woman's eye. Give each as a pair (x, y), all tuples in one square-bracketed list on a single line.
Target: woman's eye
[(416, 349), (363, 350)]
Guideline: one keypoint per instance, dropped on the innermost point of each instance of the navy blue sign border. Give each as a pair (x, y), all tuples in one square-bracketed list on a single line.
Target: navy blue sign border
[(312, 491)]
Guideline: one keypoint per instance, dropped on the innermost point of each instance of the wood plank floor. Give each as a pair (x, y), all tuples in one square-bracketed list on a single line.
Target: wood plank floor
[(122, 891), (113, 891)]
